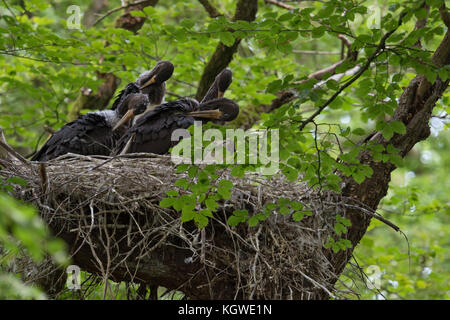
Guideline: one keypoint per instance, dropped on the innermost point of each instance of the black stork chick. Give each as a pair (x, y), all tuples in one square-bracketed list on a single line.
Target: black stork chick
[(219, 86), (153, 84), (92, 133), (153, 131)]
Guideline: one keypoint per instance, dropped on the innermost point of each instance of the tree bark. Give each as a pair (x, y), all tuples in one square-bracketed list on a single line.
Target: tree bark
[(222, 56)]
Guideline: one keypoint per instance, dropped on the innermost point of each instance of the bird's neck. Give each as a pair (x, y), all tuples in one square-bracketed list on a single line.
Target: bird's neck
[(150, 107), (111, 116)]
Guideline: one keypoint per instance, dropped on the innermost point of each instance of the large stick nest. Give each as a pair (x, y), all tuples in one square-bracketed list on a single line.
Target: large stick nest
[(110, 206)]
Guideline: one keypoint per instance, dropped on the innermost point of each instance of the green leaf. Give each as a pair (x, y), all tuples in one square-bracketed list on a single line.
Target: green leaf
[(226, 38), (398, 127), (183, 183), (187, 23), (234, 221), (226, 184), (359, 132), (225, 193), (296, 205), (387, 132), (240, 213), (172, 193), (253, 221), (284, 210), (211, 204), (192, 172), (237, 171), (298, 215), (187, 215), (318, 32), (339, 228), (206, 213), (166, 202)]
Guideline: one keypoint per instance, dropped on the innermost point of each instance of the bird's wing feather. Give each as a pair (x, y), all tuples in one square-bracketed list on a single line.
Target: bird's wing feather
[(153, 130), (90, 134)]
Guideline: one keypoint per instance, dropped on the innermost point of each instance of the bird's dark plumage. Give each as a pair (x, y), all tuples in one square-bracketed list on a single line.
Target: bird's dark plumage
[(153, 131), (228, 108), (91, 134), (130, 88), (219, 86), (152, 82)]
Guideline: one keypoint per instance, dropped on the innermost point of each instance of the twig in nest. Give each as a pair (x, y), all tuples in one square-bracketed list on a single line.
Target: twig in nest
[(44, 178), (13, 152)]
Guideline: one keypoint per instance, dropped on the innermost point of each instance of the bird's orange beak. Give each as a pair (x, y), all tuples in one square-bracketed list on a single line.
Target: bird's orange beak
[(149, 82), (208, 114), (125, 118)]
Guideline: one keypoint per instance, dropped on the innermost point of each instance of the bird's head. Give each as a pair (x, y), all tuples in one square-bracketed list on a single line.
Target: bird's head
[(157, 76), (220, 109), (219, 86), (152, 83), (132, 105)]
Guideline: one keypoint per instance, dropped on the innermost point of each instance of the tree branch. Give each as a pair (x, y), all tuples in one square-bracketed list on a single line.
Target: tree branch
[(414, 110), (222, 56), (140, 4), (6, 151), (212, 11), (371, 58), (445, 15), (280, 4), (287, 96)]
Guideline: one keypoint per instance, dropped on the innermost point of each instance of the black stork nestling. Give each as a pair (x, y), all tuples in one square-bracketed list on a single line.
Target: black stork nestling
[(153, 131), (96, 133), (153, 84), (92, 133), (219, 86)]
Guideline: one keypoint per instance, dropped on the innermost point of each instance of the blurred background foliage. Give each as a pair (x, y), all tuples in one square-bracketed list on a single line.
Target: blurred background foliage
[(44, 65)]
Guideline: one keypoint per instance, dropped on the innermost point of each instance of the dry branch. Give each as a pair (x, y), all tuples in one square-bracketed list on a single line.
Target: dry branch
[(280, 4)]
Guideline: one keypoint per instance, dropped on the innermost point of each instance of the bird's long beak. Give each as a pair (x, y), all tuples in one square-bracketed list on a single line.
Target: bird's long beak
[(125, 118), (149, 82), (209, 114)]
